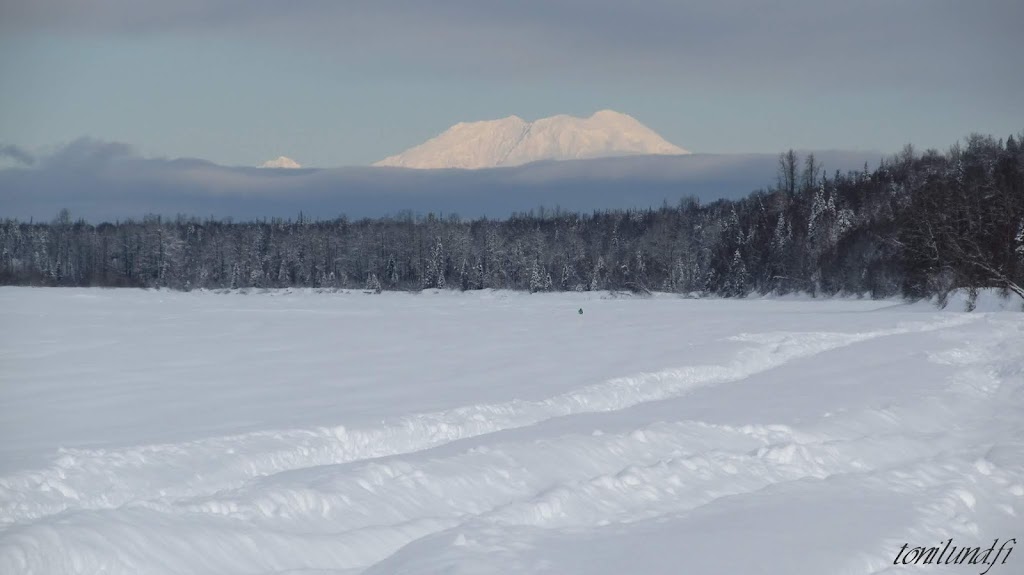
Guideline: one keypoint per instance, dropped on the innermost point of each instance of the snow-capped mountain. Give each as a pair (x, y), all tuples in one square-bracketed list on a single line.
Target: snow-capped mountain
[(513, 141), (281, 162)]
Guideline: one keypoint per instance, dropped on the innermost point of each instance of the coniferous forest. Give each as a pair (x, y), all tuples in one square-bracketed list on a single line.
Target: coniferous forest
[(919, 225)]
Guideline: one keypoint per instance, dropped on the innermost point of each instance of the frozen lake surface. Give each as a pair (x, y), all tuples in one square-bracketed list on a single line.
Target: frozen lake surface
[(301, 432)]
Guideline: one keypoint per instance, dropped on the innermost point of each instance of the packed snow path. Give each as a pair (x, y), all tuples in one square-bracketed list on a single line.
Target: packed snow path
[(301, 432)]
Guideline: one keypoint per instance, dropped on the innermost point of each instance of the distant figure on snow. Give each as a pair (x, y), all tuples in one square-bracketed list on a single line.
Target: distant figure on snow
[(581, 311)]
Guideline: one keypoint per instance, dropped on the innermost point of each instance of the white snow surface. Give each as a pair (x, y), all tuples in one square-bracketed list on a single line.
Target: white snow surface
[(281, 162), (302, 432), (513, 141)]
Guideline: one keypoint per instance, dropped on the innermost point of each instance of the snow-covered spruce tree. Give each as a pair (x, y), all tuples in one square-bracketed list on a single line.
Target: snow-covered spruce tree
[(373, 284), (464, 279), (568, 276), (597, 278), (536, 277), (779, 255), (737, 282), (434, 273)]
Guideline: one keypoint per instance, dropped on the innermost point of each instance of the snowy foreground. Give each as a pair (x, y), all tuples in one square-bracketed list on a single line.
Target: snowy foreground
[(161, 432)]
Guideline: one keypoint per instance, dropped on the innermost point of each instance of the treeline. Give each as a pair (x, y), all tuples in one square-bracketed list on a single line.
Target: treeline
[(918, 225)]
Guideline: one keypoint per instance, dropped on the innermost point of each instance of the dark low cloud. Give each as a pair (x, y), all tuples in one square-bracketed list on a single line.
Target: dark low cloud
[(103, 181), (87, 154), (17, 154)]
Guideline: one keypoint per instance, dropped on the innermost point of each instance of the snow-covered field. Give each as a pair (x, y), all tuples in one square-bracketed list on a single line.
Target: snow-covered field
[(300, 432)]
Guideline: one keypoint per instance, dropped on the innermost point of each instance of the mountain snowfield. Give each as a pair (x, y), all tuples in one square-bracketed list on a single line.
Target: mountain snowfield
[(303, 432), (513, 141), (281, 162)]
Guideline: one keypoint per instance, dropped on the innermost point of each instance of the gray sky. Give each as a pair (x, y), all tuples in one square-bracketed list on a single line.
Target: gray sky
[(347, 83)]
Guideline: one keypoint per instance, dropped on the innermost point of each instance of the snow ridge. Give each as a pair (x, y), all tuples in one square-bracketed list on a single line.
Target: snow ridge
[(512, 141)]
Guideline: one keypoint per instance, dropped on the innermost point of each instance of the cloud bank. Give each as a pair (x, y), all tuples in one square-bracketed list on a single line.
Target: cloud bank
[(104, 181)]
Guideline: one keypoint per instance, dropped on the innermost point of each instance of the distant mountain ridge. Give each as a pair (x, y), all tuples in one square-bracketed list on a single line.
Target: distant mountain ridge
[(513, 141)]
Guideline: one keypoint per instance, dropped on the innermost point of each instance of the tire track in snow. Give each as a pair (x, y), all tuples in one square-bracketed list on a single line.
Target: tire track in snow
[(110, 478)]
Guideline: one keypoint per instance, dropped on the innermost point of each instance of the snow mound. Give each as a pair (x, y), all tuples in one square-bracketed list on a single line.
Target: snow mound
[(983, 300)]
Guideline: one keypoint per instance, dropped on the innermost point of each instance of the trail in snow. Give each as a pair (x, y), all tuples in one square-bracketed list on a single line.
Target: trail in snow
[(560, 483), (102, 478)]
